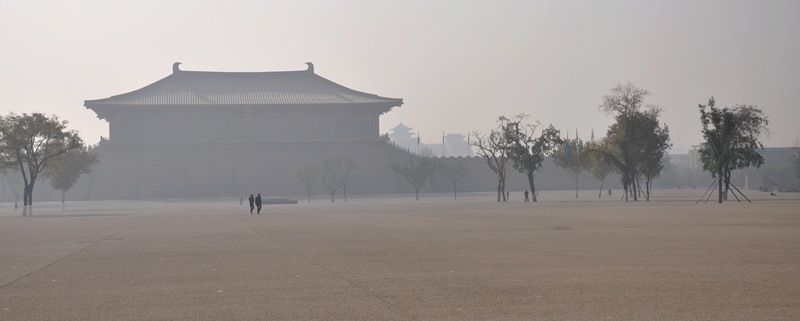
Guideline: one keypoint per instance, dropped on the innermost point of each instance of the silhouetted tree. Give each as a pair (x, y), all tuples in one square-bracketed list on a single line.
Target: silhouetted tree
[(454, 174), (68, 167), (625, 137), (31, 143), (307, 174), (731, 140), (417, 171), (526, 150), (494, 149)]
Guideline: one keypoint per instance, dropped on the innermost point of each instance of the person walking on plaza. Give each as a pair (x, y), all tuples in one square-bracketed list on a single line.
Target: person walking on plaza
[(250, 199), (258, 203), (526, 195)]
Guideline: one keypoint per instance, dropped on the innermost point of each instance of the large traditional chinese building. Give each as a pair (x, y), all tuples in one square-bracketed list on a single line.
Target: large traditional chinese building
[(217, 134)]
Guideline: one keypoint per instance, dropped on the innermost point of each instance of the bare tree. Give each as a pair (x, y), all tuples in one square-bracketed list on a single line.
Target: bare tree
[(454, 174), (494, 149), (331, 183), (417, 171), (307, 174), (339, 173)]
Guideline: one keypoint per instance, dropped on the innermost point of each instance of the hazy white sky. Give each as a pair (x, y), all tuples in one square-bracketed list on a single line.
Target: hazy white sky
[(458, 65)]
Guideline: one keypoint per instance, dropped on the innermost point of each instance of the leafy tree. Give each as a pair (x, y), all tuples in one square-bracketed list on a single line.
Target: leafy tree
[(627, 137), (731, 140), (599, 165), (494, 148), (653, 141), (570, 156), (31, 143), (68, 167), (417, 171), (526, 150), (307, 174), (454, 174)]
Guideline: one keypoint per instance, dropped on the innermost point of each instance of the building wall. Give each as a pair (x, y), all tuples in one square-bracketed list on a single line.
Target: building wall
[(242, 123)]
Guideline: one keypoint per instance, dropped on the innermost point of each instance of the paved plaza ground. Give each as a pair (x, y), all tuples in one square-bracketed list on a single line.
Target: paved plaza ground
[(391, 258)]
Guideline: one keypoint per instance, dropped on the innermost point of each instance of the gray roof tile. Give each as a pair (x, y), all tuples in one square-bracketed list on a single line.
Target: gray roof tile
[(243, 88)]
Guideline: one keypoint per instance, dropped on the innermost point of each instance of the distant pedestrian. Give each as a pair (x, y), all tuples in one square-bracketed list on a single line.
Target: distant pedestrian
[(526, 196), (15, 206), (251, 200), (241, 199), (258, 203)]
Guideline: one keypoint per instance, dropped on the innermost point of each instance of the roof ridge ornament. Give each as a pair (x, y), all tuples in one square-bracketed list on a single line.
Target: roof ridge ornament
[(310, 67), (175, 68)]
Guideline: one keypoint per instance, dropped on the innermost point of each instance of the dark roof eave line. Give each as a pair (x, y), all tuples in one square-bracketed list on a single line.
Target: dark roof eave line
[(386, 104)]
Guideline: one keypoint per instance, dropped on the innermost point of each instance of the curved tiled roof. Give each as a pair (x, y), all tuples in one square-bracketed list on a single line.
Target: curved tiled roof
[(243, 88)]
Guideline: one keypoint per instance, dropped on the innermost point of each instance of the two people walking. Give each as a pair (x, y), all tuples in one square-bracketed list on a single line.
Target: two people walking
[(255, 203)]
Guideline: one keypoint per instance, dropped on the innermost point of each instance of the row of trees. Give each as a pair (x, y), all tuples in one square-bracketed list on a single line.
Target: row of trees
[(339, 173), (336, 173), (35, 144), (635, 145)]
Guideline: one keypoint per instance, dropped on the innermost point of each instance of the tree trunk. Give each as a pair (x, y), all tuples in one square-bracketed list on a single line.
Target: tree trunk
[(416, 193), (532, 185), (503, 191), (63, 207), (625, 191), (455, 191), (719, 182), (344, 191), (635, 190), (576, 185), (27, 197), (499, 189), (600, 195), (308, 191)]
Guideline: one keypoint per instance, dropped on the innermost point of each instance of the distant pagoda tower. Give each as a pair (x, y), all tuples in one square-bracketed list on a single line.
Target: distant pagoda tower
[(402, 135)]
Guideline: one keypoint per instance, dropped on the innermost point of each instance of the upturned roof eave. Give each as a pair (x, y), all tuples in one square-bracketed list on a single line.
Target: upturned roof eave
[(177, 75)]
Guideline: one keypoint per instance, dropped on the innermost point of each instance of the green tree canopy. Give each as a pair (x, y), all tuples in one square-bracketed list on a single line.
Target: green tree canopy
[(68, 167), (526, 150), (631, 139), (31, 143), (731, 140), (570, 156)]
